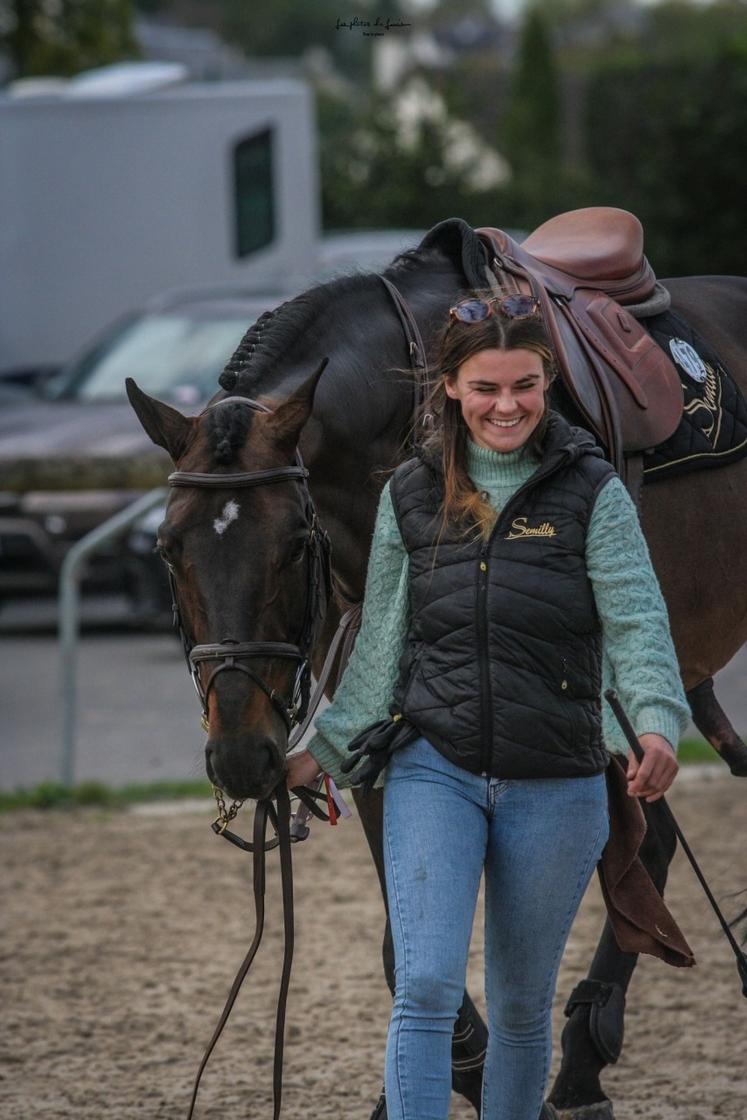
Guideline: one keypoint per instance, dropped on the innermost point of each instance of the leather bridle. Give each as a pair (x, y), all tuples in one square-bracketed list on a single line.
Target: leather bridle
[(231, 654)]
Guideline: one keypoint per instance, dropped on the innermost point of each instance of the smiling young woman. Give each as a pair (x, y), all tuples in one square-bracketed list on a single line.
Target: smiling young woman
[(508, 581)]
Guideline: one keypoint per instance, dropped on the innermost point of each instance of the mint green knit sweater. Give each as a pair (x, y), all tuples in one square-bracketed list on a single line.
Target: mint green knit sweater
[(638, 654)]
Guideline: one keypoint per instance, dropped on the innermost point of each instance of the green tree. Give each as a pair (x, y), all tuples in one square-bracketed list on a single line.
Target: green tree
[(372, 179), (532, 135), (68, 36), (679, 29), (666, 140), (532, 131)]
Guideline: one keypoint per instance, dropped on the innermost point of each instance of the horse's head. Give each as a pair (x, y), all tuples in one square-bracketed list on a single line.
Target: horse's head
[(249, 567)]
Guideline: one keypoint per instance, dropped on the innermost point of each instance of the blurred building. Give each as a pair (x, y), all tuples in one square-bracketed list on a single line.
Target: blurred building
[(129, 180)]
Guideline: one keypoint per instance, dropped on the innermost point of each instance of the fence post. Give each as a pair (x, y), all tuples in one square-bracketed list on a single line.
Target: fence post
[(69, 616)]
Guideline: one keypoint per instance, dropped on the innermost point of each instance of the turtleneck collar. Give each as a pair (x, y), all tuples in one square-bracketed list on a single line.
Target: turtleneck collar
[(497, 466), (561, 439)]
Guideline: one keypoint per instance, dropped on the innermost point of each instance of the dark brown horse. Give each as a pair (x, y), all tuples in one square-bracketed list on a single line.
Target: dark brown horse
[(240, 570)]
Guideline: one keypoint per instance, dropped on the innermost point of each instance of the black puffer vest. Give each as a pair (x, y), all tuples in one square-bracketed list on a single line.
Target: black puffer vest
[(502, 667)]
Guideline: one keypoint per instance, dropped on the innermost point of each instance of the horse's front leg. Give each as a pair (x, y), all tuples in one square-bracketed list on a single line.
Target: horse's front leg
[(711, 720), (593, 1036), (470, 1033)]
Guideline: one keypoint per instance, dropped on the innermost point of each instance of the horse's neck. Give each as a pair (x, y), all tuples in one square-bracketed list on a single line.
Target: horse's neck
[(364, 402), (365, 410)]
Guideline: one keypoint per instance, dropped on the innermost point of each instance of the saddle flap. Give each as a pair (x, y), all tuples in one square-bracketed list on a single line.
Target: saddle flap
[(642, 383)]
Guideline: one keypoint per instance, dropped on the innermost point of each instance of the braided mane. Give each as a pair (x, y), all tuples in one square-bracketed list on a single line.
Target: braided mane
[(227, 430), (276, 333), (244, 352)]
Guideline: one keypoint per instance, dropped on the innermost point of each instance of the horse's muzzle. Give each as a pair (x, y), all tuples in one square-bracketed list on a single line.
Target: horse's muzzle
[(245, 770)]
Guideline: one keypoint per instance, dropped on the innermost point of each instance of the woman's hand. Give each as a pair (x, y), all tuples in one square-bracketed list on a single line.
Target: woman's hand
[(652, 777), (303, 769)]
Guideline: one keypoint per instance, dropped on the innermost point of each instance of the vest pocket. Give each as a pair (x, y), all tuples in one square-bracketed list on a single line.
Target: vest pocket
[(575, 683), (567, 707), (563, 674)]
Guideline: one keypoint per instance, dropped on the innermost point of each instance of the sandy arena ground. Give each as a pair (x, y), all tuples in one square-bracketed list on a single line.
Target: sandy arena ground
[(122, 931)]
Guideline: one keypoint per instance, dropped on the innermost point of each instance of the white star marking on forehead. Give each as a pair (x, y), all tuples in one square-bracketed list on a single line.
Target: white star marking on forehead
[(230, 513)]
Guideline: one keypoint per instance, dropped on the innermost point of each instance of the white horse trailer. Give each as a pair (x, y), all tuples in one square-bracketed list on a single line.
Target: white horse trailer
[(107, 198)]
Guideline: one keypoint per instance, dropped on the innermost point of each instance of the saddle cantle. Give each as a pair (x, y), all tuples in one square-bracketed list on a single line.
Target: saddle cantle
[(583, 266)]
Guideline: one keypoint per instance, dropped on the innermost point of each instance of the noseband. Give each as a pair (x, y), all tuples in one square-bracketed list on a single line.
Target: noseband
[(231, 654)]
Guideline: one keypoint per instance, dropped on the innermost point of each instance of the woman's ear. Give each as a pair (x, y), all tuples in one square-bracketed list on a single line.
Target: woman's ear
[(450, 388)]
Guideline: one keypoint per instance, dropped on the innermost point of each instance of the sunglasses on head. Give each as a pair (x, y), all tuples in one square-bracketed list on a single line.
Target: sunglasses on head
[(475, 310)]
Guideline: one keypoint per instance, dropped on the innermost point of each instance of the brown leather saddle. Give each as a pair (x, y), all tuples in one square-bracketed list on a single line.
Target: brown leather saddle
[(585, 266)]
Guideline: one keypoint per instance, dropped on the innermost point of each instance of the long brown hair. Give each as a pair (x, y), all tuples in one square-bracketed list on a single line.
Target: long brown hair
[(463, 503)]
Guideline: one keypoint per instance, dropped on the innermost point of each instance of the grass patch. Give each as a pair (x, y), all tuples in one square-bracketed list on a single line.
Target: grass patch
[(52, 795), (696, 750)]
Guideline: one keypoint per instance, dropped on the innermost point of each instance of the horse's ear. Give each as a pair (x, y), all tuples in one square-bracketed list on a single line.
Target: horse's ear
[(165, 426), (288, 419)]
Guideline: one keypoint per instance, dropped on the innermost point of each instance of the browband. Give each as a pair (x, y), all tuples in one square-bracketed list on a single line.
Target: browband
[(244, 478)]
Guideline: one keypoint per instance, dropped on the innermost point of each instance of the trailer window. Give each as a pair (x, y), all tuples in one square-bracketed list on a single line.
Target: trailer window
[(254, 193)]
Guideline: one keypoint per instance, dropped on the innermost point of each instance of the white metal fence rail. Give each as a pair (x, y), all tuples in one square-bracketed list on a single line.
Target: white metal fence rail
[(69, 617)]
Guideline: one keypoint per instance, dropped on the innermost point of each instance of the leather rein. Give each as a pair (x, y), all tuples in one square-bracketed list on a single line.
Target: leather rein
[(298, 710)]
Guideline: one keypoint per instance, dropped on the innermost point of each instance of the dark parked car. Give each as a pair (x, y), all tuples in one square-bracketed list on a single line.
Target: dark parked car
[(75, 453), (72, 451)]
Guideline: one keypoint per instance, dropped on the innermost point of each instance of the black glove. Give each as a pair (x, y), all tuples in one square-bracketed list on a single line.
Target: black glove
[(378, 742)]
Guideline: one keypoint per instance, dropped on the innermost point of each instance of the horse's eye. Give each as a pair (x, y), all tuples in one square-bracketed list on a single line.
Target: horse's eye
[(298, 551)]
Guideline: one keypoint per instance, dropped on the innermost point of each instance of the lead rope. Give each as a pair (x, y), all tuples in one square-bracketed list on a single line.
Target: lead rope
[(286, 876), (260, 826), (281, 820)]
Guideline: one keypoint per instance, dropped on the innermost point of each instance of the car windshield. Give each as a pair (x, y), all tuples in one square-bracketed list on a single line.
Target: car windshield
[(171, 355)]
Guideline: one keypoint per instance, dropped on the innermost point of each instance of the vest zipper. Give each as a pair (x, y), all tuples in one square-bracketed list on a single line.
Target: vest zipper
[(481, 601), (486, 699)]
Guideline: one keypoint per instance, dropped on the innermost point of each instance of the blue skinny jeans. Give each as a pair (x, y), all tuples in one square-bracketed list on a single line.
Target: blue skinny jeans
[(538, 842)]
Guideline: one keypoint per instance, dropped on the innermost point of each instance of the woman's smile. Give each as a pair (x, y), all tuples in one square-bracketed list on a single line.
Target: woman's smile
[(502, 395)]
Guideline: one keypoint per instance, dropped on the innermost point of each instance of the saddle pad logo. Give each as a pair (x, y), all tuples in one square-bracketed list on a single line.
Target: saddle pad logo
[(519, 528), (688, 359)]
